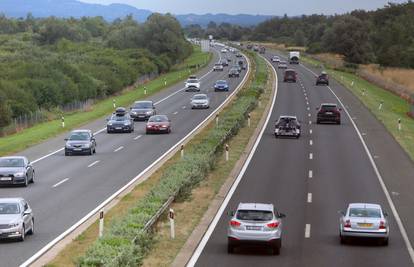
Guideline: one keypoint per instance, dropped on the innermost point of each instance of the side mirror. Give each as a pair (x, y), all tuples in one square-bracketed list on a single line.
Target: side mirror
[(340, 212), (317, 108), (281, 215), (66, 139), (385, 214), (27, 212)]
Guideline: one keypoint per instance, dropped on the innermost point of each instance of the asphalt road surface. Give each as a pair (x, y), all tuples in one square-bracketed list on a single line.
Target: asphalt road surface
[(312, 178), (68, 188)]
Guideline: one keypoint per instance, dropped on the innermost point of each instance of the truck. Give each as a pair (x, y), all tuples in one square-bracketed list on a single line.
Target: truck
[(294, 57)]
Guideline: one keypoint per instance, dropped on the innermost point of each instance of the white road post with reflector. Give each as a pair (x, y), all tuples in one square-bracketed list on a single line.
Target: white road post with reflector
[(399, 124), (101, 223), (217, 120), (63, 121), (248, 120), (182, 151), (172, 224), (114, 103), (145, 90), (227, 152)]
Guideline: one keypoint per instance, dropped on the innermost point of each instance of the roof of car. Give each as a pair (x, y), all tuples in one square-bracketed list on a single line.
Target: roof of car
[(10, 199), (364, 205), (143, 101), (200, 95), (329, 104), (81, 131), (13, 157), (255, 206), (287, 116)]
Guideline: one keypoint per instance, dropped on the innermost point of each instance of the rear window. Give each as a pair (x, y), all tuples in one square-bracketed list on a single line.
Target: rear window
[(365, 213), (329, 108), (290, 72), (192, 81), (254, 215)]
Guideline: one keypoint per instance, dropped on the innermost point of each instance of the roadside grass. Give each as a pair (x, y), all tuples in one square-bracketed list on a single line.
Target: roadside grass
[(70, 254), (393, 109), (189, 212), (38, 133)]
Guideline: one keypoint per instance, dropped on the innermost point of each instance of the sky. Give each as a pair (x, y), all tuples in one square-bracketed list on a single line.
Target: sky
[(262, 7)]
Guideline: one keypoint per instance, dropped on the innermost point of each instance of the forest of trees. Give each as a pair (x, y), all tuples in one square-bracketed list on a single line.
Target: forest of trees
[(384, 36), (49, 62)]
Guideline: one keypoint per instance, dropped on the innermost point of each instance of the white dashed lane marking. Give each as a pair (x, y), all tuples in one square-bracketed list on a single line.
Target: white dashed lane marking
[(119, 149), (93, 163), (307, 231), (61, 182), (310, 174)]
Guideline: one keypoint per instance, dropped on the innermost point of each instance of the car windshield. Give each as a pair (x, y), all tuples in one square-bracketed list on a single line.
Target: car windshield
[(329, 108), (192, 81), (200, 97), (290, 72), (365, 212), (79, 136), (158, 119), (143, 105), (11, 162), (254, 215), (221, 82), (9, 208), (218, 64), (323, 75)]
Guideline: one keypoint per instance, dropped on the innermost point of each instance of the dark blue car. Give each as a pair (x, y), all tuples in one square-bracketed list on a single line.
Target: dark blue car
[(221, 85)]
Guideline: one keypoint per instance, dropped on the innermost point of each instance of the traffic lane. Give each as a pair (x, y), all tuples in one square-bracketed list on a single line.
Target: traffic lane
[(273, 176), (343, 175), (52, 144), (76, 198), (394, 164)]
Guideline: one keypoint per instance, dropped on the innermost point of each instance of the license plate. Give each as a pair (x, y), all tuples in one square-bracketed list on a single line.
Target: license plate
[(141, 116), (118, 128), (5, 178), (254, 228), (328, 113), (365, 224), (77, 149)]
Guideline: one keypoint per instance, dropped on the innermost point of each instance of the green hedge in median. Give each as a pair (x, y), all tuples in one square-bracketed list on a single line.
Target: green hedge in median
[(125, 243)]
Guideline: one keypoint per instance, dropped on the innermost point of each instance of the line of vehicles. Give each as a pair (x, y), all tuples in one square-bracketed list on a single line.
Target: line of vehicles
[(16, 216), (260, 224)]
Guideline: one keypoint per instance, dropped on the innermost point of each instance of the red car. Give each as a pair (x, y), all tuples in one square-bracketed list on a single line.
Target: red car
[(158, 124)]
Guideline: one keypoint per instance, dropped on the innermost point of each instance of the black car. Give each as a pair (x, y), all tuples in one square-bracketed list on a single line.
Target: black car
[(242, 65), (234, 72), (239, 55), (80, 142), (16, 170), (225, 62), (329, 113), (120, 121), (322, 79), (290, 76), (142, 110), (287, 126)]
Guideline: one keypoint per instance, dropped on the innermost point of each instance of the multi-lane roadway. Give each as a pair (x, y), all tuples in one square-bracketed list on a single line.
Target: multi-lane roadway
[(312, 178), (68, 188)]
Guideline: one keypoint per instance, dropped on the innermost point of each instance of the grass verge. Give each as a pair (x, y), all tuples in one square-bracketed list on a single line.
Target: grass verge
[(131, 205), (393, 108), (43, 131)]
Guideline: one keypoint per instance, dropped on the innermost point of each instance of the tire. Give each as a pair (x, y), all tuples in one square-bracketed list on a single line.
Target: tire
[(31, 231), (22, 237), (90, 153), (26, 181), (384, 242), (94, 150), (67, 153), (33, 178), (230, 249), (342, 239), (276, 248), (276, 136), (318, 122), (338, 122)]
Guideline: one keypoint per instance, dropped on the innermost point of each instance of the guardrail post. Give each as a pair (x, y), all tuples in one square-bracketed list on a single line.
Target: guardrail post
[(399, 125), (227, 152), (101, 223), (114, 103), (63, 121), (172, 224), (182, 151), (248, 120)]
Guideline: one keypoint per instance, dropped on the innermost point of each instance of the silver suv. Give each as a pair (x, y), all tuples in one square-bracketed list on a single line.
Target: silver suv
[(255, 224)]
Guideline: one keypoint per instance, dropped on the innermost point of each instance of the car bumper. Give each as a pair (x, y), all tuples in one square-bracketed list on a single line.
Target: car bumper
[(15, 232), (140, 117), (192, 89), (119, 129), (12, 181), (328, 119), (77, 150), (221, 89), (157, 130), (199, 106), (362, 234), (286, 134), (289, 80)]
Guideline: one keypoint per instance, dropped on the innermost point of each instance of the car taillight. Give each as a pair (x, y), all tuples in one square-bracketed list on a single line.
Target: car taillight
[(347, 224), (234, 223), (382, 225), (273, 225), (164, 126)]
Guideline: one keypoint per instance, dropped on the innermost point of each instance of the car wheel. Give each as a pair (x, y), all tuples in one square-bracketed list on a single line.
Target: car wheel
[(23, 235), (338, 122), (384, 242), (26, 181), (230, 249), (31, 231), (94, 150), (90, 152), (318, 122), (67, 153), (33, 178), (342, 239), (276, 248), (276, 136)]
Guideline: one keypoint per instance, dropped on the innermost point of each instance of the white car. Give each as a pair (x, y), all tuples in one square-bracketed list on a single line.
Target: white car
[(16, 219), (275, 59), (224, 50), (192, 84), (200, 101)]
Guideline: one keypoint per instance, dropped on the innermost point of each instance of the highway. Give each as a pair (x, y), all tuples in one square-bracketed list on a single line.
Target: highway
[(68, 188), (312, 178)]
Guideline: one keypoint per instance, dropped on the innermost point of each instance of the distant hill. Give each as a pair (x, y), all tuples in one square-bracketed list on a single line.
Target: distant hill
[(240, 19), (77, 9)]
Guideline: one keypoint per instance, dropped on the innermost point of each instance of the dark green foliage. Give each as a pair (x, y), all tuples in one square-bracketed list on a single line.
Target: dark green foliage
[(46, 63)]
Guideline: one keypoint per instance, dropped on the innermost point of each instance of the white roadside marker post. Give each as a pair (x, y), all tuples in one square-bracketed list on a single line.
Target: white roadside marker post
[(63, 121), (227, 152), (182, 151), (172, 224), (165, 81), (363, 92), (101, 223), (217, 120), (352, 83), (248, 120), (114, 103), (380, 105), (399, 124), (145, 90)]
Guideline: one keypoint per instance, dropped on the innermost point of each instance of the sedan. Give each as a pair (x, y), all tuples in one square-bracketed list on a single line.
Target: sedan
[(16, 219), (158, 124), (218, 67), (255, 224), (200, 101), (364, 220), (80, 142), (221, 85), (142, 110), (16, 171), (282, 65)]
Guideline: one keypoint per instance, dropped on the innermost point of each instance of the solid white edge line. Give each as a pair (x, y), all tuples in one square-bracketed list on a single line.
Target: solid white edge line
[(216, 219), (48, 246), (103, 129), (61, 182), (307, 230), (378, 174), (93, 163)]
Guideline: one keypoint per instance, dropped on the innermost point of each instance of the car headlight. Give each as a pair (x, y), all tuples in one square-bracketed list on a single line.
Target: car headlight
[(149, 112), (11, 225), (127, 123), (87, 145), (19, 174), (110, 123), (277, 130), (134, 112), (297, 131)]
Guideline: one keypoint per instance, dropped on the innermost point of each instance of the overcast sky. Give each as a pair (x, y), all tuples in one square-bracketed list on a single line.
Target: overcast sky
[(263, 7)]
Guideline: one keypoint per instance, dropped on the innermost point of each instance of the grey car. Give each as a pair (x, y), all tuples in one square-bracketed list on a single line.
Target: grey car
[(200, 101), (255, 224), (16, 219), (16, 170), (80, 142), (364, 220), (142, 110)]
